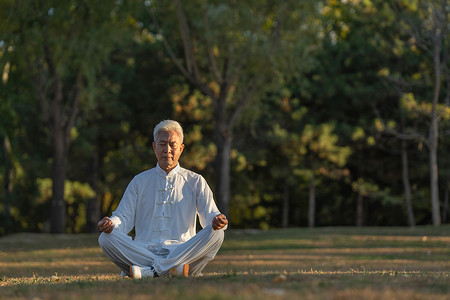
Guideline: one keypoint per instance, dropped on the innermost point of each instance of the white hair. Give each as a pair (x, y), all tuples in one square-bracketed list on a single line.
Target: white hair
[(168, 125)]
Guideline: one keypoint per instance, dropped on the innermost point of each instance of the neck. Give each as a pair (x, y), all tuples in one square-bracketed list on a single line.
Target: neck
[(167, 169)]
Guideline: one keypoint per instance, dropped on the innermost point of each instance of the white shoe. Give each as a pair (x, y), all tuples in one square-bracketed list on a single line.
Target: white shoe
[(137, 272)]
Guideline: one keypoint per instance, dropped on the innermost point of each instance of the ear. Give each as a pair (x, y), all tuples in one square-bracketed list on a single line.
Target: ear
[(154, 146), (181, 148)]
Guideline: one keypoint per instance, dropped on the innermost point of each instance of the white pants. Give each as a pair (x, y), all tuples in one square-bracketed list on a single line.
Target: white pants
[(196, 252)]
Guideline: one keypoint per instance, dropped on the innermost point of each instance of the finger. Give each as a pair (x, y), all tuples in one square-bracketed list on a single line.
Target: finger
[(220, 225), (105, 225), (223, 221), (103, 221), (107, 229), (219, 222), (108, 225), (216, 225)]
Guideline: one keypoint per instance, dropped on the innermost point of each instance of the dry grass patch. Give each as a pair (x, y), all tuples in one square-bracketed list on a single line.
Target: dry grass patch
[(323, 263)]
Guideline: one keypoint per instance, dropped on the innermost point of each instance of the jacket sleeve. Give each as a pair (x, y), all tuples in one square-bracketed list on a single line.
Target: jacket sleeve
[(123, 217), (206, 207)]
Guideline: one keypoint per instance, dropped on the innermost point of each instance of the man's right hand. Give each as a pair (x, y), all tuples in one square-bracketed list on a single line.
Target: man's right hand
[(106, 225)]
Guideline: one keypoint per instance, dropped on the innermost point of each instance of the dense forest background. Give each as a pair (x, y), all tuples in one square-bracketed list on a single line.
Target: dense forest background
[(298, 113)]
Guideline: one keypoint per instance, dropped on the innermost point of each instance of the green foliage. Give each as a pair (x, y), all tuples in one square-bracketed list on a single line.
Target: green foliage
[(329, 80), (76, 195), (321, 143)]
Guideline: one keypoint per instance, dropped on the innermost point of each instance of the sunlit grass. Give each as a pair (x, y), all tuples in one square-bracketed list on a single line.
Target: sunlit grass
[(323, 263)]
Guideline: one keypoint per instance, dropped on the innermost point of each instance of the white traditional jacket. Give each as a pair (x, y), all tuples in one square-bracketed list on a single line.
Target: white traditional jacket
[(163, 208)]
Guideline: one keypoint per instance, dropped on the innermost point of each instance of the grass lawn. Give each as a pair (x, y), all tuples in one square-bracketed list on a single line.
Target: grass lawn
[(298, 263)]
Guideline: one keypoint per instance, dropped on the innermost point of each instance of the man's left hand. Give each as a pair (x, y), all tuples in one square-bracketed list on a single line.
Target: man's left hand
[(219, 222)]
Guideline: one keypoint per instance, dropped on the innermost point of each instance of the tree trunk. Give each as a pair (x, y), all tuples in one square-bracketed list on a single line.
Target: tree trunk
[(434, 174), (312, 202), (93, 213), (285, 221), (360, 210), (223, 174), (7, 185), (223, 138), (407, 186), (445, 206), (434, 135), (58, 207)]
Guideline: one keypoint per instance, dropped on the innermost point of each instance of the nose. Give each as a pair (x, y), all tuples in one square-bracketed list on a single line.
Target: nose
[(166, 148)]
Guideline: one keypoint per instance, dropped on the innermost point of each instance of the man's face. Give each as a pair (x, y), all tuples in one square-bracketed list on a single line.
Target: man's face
[(168, 149)]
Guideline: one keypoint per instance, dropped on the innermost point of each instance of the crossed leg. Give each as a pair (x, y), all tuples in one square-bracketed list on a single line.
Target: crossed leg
[(197, 252)]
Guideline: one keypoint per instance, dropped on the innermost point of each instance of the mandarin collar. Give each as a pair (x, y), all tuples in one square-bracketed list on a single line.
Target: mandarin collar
[(163, 173)]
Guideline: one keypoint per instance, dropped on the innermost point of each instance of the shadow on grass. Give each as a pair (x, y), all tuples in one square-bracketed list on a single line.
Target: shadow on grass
[(44, 241), (257, 284), (327, 263)]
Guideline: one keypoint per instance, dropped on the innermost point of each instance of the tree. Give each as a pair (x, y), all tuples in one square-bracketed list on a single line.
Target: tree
[(391, 50), (8, 120), (366, 189), (407, 185), (347, 84), (323, 156), (427, 25), (233, 53), (61, 46)]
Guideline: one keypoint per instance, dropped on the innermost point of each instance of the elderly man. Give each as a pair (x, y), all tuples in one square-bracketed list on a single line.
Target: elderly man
[(162, 204)]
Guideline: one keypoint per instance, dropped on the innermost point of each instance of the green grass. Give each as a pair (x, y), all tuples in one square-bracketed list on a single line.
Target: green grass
[(321, 263)]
